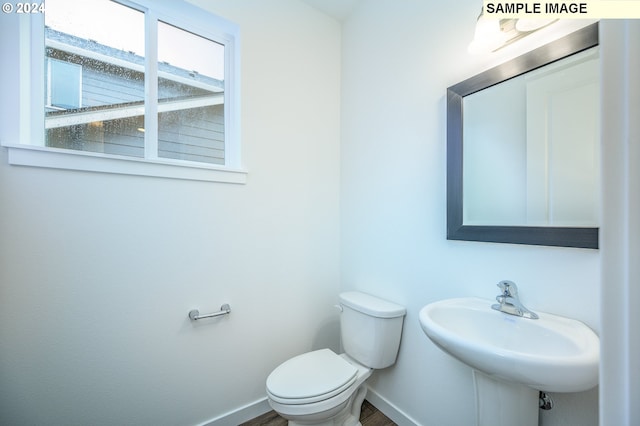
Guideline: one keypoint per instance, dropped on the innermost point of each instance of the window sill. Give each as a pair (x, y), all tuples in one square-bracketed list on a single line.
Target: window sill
[(34, 156)]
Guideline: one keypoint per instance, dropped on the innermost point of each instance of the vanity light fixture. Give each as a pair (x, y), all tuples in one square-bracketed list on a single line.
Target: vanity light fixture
[(492, 34)]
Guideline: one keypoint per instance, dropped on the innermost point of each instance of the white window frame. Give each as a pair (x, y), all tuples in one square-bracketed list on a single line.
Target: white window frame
[(30, 150)]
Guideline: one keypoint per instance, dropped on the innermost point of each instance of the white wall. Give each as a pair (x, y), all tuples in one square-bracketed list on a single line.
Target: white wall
[(620, 341), (398, 58), (98, 272)]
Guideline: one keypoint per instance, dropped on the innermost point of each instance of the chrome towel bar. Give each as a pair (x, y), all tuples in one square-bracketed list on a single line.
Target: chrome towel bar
[(194, 314)]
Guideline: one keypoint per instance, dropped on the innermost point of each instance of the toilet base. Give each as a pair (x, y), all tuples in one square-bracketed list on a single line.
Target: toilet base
[(347, 414)]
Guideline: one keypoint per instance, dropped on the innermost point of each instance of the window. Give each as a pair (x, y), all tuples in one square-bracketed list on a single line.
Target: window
[(64, 85), (145, 82)]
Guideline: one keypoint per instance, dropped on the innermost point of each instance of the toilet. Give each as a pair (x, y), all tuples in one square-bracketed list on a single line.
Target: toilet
[(324, 388)]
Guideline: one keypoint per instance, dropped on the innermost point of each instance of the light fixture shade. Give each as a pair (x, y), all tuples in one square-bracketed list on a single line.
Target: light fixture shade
[(492, 33), (488, 36)]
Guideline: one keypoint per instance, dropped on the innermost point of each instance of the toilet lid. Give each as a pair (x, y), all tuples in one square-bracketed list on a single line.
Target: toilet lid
[(311, 377)]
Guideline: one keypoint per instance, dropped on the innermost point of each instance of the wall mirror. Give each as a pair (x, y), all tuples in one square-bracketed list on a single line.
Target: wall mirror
[(523, 148)]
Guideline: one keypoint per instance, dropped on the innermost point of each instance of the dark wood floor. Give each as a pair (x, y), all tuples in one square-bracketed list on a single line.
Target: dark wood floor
[(369, 416)]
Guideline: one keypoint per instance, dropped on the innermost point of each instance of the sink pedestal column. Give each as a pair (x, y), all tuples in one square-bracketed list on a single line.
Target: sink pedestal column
[(502, 403)]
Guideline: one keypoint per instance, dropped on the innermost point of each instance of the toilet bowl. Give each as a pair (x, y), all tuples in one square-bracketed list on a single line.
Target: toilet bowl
[(323, 388), (317, 386)]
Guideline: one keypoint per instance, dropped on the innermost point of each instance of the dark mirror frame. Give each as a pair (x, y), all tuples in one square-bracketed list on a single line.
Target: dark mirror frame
[(578, 41)]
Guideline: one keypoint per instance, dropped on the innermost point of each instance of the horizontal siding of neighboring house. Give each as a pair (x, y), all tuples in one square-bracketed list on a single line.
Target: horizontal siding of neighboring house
[(99, 88), (117, 137), (193, 135)]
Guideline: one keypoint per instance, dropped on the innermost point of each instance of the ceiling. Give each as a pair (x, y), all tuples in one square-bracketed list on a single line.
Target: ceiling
[(338, 9)]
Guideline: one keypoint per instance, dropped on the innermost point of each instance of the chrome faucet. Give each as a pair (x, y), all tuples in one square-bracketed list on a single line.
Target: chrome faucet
[(509, 303)]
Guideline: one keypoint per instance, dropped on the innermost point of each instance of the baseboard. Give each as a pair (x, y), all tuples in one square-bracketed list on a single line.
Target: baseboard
[(390, 410), (241, 415)]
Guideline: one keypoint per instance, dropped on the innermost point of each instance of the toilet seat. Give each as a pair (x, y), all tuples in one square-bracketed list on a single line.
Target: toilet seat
[(311, 377)]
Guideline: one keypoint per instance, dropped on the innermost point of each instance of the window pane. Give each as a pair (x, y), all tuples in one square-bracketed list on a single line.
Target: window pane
[(191, 96), (94, 77)]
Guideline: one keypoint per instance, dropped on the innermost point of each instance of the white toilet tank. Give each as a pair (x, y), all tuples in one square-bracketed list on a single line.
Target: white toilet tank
[(371, 328)]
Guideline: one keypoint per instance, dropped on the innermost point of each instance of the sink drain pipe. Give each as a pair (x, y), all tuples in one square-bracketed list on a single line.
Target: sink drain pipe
[(545, 401)]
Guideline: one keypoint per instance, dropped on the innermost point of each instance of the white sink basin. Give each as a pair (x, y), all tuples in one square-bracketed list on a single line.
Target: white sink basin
[(552, 353)]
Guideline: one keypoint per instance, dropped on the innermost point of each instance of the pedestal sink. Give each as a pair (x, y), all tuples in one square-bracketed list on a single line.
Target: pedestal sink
[(513, 358)]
